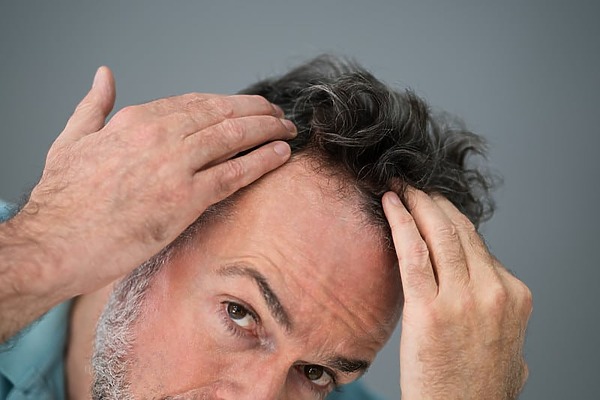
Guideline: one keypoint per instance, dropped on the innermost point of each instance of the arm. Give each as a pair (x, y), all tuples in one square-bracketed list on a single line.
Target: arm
[(465, 315), (112, 195)]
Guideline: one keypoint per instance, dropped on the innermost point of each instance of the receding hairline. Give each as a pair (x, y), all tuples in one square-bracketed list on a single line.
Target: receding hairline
[(338, 185)]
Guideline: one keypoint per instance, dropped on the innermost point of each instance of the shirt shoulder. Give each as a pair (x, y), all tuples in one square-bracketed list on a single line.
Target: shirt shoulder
[(32, 362), (6, 210)]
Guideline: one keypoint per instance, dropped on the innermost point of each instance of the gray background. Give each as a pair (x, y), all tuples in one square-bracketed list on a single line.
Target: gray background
[(523, 73)]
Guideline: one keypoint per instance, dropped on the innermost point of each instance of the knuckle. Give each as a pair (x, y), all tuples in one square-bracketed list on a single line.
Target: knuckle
[(418, 275), (149, 130), (233, 132), (450, 257), (418, 249), (196, 96), (497, 298), (527, 300), (436, 319), (233, 172), (264, 103), (465, 304), (267, 126), (447, 232), (465, 224), (126, 115), (431, 317), (404, 218), (221, 106), (272, 124)]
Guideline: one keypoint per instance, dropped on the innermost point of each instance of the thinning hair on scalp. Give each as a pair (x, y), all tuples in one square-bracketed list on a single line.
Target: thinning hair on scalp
[(378, 138)]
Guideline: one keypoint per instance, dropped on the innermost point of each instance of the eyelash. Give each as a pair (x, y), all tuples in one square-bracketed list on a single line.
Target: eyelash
[(317, 390), (231, 326), (320, 391)]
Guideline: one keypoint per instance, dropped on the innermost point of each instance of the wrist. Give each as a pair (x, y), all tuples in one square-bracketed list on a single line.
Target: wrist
[(31, 258)]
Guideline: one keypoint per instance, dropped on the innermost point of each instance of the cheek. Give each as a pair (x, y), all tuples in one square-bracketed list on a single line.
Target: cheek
[(176, 346)]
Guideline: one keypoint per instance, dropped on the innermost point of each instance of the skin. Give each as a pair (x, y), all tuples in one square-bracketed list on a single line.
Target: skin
[(325, 287), (341, 301), (142, 178), (463, 322), (464, 317)]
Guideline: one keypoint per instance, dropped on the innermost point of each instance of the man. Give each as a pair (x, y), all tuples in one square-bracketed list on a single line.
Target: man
[(288, 288)]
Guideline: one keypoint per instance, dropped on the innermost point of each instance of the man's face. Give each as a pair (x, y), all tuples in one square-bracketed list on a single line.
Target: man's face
[(289, 296)]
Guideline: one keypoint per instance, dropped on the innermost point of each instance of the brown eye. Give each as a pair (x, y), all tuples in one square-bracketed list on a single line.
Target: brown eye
[(317, 375), (236, 311), (240, 315), (313, 372)]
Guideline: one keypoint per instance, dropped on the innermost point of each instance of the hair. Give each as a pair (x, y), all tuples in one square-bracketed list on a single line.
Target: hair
[(114, 337), (351, 125), (379, 139)]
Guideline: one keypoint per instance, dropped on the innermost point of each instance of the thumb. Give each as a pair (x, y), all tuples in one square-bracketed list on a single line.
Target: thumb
[(90, 114)]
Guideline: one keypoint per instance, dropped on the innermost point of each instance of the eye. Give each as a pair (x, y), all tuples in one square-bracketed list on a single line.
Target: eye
[(241, 316), (317, 375)]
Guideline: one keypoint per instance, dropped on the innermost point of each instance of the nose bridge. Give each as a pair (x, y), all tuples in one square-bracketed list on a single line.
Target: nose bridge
[(261, 377)]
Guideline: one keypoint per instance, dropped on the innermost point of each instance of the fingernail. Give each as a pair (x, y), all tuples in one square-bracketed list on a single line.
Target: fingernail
[(394, 199), (289, 125), (283, 149), (96, 77)]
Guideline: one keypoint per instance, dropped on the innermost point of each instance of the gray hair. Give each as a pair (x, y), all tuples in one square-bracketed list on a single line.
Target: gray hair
[(114, 337), (378, 139), (353, 126)]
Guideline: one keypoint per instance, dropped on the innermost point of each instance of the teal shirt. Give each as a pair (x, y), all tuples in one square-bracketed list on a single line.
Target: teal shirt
[(32, 363)]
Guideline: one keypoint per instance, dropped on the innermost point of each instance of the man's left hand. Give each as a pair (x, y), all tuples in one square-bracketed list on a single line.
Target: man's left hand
[(465, 315)]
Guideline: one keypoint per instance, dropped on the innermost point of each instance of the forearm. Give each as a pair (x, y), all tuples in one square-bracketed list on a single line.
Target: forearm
[(31, 271)]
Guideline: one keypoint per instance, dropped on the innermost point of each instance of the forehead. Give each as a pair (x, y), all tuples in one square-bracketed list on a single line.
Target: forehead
[(315, 211), (307, 231)]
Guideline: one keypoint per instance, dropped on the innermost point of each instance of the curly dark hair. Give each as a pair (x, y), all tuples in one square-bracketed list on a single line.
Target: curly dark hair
[(381, 138)]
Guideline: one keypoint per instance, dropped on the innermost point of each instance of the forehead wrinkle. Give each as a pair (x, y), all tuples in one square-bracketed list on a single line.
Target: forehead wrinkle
[(275, 307), (351, 320)]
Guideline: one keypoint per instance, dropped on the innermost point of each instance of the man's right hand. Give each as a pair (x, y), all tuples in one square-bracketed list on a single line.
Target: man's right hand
[(113, 195)]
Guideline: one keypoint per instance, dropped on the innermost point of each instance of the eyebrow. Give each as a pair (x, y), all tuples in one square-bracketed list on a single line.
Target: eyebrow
[(275, 307), (279, 313), (347, 365)]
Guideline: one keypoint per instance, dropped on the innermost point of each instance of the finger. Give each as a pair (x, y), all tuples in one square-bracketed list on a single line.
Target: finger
[(237, 105), (442, 239), (224, 140), (479, 260), (416, 271), (224, 179), (189, 113), (90, 114), (174, 104), (216, 109)]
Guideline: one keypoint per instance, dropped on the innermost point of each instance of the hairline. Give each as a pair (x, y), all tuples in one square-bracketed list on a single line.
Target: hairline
[(347, 191)]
